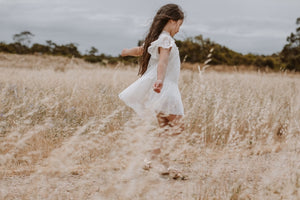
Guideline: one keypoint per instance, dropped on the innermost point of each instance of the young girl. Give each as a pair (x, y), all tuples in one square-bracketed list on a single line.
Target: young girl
[(157, 90)]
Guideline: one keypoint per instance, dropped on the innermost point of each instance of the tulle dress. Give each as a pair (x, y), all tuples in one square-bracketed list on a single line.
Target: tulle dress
[(140, 95)]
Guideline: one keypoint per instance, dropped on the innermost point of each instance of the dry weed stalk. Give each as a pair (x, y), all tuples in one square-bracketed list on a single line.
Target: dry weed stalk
[(64, 131)]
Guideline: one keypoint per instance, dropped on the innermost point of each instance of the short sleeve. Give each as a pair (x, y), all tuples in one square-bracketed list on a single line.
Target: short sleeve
[(163, 41)]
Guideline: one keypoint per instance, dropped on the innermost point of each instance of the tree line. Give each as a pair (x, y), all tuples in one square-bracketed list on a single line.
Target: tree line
[(192, 49), (196, 49)]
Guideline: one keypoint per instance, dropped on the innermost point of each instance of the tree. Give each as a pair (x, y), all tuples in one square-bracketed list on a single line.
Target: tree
[(93, 51), (39, 48), (290, 53), (294, 39), (91, 56), (23, 38), (51, 44), (65, 50)]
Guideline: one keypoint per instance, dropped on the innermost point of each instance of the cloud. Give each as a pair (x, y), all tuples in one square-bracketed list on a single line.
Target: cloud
[(244, 25)]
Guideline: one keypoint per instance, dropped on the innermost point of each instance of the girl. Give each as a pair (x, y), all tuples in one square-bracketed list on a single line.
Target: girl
[(156, 91)]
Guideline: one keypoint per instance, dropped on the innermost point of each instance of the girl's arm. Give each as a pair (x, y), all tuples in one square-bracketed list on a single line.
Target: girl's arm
[(136, 51), (161, 69)]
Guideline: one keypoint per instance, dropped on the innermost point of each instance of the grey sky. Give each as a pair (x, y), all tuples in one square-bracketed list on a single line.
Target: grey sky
[(256, 26)]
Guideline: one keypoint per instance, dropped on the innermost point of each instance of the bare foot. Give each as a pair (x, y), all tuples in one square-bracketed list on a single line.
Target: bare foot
[(147, 164), (175, 174)]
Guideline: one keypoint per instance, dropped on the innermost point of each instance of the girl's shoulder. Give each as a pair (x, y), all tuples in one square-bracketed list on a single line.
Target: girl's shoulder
[(164, 40)]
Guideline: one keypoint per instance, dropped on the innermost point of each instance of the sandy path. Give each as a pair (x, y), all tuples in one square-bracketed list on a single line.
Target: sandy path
[(103, 157), (115, 171)]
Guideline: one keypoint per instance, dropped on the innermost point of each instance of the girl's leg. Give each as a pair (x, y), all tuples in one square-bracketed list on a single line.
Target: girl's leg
[(162, 120), (163, 123), (175, 121), (171, 123)]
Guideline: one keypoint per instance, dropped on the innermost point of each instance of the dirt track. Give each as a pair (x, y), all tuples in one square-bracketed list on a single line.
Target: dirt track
[(66, 135)]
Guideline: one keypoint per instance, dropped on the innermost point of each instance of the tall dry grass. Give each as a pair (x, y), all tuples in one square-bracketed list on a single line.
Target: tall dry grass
[(64, 134)]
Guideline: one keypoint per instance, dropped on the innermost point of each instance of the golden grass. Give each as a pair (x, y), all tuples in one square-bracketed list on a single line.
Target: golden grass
[(64, 134)]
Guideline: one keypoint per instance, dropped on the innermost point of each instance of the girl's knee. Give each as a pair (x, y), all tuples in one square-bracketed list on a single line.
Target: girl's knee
[(175, 120), (162, 120), (177, 126)]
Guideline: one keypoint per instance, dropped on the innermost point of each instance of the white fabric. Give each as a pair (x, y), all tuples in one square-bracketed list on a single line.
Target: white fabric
[(140, 95)]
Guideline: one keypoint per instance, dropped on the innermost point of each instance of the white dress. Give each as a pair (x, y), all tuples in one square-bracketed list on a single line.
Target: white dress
[(140, 95)]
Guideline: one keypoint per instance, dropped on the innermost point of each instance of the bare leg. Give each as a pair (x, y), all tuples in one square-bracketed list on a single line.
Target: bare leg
[(162, 120), (172, 126), (175, 121), (169, 123), (163, 123)]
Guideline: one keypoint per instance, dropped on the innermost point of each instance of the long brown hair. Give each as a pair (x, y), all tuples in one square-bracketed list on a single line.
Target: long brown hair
[(163, 15)]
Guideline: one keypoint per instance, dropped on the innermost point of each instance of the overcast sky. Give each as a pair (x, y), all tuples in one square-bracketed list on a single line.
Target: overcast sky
[(246, 26)]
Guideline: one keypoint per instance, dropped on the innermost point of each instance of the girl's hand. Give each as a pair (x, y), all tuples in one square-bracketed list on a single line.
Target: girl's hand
[(135, 51), (158, 86), (124, 52)]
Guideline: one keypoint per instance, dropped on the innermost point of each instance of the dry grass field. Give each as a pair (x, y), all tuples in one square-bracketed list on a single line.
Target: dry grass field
[(64, 134)]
